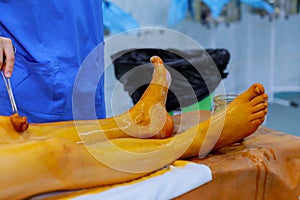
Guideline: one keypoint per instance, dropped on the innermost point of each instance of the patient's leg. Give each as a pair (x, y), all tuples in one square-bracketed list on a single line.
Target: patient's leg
[(148, 118), (241, 118), (57, 164), (34, 167)]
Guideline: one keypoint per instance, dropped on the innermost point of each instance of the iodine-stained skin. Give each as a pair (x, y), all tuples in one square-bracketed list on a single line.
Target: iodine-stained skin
[(52, 156), (140, 121)]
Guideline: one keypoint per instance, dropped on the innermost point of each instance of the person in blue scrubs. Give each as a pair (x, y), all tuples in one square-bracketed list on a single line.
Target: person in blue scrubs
[(52, 39)]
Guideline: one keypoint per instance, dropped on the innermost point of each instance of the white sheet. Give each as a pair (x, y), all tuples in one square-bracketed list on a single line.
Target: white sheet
[(173, 183)]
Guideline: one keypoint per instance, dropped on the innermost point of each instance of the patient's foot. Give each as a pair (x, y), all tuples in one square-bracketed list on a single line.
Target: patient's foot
[(244, 115)]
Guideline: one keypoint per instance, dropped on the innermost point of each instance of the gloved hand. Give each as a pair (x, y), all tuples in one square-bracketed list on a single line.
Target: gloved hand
[(7, 56)]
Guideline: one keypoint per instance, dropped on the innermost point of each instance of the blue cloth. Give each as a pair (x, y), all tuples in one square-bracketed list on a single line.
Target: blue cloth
[(216, 6), (52, 39), (177, 11), (117, 20), (260, 4)]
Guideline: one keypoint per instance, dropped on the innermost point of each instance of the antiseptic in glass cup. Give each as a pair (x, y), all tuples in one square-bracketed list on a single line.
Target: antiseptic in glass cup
[(221, 101)]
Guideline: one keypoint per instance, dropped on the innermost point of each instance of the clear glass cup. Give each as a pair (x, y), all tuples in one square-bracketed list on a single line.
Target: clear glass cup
[(221, 101)]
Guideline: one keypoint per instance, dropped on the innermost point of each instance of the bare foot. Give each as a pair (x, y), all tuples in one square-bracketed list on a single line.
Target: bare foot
[(241, 118), (244, 115)]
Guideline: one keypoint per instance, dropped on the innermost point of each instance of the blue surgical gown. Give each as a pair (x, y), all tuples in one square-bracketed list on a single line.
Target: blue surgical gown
[(52, 39)]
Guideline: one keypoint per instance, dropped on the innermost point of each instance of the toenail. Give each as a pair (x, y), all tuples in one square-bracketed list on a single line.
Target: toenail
[(265, 96), (257, 90)]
